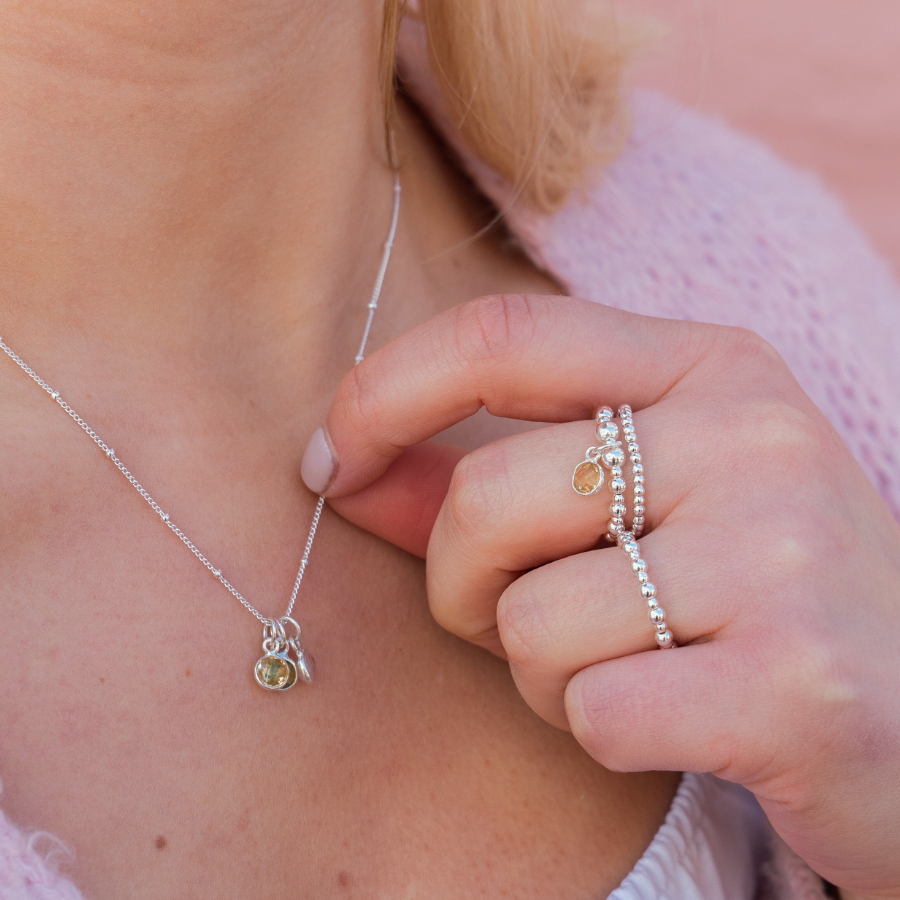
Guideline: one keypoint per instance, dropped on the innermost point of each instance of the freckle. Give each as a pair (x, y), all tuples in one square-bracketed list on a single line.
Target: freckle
[(102, 681), (187, 673), (161, 843), (343, 879)]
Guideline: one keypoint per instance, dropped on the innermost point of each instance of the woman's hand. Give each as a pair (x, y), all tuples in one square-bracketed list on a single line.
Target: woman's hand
[(776, 562)]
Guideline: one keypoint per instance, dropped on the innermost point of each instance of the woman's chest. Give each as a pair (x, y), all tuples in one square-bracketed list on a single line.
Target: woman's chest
[(134, 730)]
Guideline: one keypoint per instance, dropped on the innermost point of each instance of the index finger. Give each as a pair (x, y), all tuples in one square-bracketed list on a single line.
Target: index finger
[(543, 359)]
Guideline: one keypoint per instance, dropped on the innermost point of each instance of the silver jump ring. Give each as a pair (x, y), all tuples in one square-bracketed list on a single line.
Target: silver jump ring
[(287, 620)]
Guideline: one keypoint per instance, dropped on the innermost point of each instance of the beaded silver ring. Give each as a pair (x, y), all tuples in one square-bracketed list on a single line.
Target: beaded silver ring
[(628, 542), (637, 469)]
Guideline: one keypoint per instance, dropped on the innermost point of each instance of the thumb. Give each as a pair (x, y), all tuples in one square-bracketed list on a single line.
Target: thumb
[(402, 505)]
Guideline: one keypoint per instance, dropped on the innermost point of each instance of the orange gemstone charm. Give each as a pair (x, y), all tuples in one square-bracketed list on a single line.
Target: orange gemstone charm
[(587, 477)]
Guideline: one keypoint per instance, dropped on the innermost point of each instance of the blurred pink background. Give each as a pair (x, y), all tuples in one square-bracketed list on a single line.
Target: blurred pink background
[(818, 80)]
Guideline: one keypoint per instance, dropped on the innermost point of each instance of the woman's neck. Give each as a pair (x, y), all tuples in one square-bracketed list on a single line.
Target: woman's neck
[(168, 167)]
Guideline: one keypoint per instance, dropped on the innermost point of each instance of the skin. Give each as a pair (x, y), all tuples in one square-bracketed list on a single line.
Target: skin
[(194, 198), (776, 560)]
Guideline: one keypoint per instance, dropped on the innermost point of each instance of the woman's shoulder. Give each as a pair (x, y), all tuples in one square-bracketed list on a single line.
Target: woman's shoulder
[(708, 213)]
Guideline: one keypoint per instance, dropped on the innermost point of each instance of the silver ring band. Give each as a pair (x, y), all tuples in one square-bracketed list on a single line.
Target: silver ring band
[(629, 545), (637, 469), (613, 457)]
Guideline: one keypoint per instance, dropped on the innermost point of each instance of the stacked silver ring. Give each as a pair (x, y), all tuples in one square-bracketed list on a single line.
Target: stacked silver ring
[(588, 478), (613, 456), (637, 469)]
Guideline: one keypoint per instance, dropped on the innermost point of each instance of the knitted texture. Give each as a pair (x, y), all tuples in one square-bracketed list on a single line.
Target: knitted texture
[(26, 873), (692, 222)]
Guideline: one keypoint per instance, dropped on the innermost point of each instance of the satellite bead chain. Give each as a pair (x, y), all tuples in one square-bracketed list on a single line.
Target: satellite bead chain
[(276, 670)]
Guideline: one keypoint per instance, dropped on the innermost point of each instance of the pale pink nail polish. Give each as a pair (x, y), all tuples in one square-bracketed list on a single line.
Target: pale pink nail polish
[(319, 465)]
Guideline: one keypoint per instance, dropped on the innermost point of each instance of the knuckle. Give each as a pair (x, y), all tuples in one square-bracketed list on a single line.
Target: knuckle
[(496, 326), (776, 441), (744, 345), (523, 626), (479, 492), (788, 439), (596, 724), (359, 399)]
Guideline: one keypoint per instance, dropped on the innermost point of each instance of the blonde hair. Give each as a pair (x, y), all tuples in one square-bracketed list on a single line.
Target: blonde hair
[(534, 85)]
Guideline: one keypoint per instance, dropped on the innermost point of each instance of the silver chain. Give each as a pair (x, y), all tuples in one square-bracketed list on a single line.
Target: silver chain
[(111, 454)]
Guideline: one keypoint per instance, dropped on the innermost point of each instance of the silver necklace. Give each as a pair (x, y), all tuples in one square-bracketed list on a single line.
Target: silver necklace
[(284, 660)]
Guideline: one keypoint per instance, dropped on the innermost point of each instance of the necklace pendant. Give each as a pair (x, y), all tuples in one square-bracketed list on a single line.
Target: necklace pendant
[(306, 665), (276, 670)]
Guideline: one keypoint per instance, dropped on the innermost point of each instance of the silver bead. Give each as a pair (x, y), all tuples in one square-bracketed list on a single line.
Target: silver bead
[(660, 627), (54, 395), (110, 452), (638, 469), (604, 413), (614, 456), (217, 573), (607, 432), (652, 602), (643, 577), (664, 640), (648, 590), (638, 479), (658, 616), (615, 471), (617, 486), (164, 517), (638, 565)]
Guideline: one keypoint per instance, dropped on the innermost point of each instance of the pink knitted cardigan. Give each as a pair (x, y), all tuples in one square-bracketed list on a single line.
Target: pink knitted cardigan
[(692, 222)]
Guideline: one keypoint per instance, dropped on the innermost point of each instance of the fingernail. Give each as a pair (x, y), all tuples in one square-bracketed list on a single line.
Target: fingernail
[(319, 464)]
